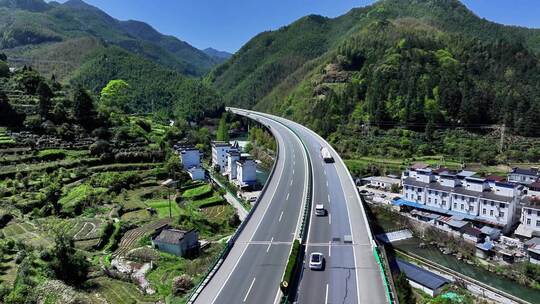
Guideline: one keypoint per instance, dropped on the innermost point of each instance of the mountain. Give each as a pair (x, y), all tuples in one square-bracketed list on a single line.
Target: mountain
[(419, 64), (219, 55), (29, 29)]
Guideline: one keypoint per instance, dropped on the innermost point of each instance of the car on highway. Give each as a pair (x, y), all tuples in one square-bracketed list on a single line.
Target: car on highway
[(316, 261), (319, 210)]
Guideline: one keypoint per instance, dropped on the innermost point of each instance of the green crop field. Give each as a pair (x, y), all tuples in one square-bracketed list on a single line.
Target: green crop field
[(197, 192), (162, 207)]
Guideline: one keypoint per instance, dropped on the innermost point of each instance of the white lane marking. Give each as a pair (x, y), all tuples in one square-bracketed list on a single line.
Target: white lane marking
[(329, 198), (329, 219), (281, 168), (249, 290), (326, 297), (280, 216), (287, 196), (291, 182), (277, 298), (268, 249), (330, 248), (324, 171), (292, 171), (326, 184)]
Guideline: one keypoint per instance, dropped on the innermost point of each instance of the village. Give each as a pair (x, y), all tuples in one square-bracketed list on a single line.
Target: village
[(498, 215)]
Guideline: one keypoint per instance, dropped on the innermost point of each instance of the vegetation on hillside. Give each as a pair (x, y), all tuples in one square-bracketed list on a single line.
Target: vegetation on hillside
[(425, 66)]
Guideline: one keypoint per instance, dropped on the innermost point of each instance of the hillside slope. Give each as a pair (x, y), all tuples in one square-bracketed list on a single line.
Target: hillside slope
[(420, 64), (29, 27)]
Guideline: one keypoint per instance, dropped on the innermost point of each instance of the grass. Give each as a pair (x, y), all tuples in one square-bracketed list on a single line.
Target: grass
[(217, 213), (116, 291), (162, 207), (197, 192), (137, 215), (75, 195), (26, 233), (215, 199)]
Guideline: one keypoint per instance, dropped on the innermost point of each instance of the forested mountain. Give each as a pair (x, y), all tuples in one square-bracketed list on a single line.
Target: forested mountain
[(219, 55), (421, 64), (29, 29)]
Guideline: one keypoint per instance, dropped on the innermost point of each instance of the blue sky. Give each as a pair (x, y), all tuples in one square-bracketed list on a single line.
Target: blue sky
[(228, 24)]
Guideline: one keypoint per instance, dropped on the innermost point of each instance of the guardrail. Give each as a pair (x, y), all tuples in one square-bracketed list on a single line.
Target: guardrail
[(219, 260)]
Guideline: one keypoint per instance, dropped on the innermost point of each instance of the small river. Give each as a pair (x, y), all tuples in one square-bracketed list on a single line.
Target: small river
[(433, 254)]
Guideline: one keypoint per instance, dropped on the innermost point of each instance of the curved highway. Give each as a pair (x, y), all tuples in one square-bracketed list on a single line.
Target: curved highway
[(252, 271)]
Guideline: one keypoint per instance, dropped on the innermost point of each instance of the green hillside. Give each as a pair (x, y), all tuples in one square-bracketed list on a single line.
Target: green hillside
[(29, 29), (418, 64)]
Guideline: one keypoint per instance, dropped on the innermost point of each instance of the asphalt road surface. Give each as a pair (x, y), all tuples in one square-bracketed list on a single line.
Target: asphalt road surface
[(253, 270)]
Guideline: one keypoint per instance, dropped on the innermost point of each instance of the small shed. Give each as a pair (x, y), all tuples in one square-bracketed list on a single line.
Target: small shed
[(421, 278), (484, 250), (175, 241)]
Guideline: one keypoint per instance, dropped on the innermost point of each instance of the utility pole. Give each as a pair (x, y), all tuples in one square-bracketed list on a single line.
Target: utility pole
[(501, 144)]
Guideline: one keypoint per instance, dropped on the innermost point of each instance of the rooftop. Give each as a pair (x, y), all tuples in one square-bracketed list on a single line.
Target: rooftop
[(457, 190), (220, 144), (523, 171), (170, 236), (416, 166), (531, 202), (495, 178), (420, 275)]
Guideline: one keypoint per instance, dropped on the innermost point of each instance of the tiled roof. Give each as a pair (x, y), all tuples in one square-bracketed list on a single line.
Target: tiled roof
[(531, 202), (523, 171), (420, 275), (495, 178), (170, 236)]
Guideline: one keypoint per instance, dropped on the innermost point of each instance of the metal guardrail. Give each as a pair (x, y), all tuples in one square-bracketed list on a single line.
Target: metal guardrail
[(225, 252)]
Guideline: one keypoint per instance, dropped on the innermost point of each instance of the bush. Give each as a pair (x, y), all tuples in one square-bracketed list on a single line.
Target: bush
[(290, 270)]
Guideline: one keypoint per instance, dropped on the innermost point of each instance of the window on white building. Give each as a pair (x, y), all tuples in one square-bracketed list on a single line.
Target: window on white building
[(484, 211), (462, 207), (529, 211), (492, 203), (502, 205), (471, 208), (429, 199), (537, 213), (501, 214), (537, 223), (491, 212), (528, 221), (455, 205)]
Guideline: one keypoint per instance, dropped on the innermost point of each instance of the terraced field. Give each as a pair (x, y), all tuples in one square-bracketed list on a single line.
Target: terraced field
[(115, 291)]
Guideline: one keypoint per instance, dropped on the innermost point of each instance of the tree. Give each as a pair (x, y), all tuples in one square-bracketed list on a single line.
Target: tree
[(83, 108), (3, 57), (4, 69), (404, 290), (67, 263), (45, 94), (115, 97), (223, 130), (8, 116)]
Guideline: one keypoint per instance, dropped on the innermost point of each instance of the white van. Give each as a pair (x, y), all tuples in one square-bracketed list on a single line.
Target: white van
[(319, 210)]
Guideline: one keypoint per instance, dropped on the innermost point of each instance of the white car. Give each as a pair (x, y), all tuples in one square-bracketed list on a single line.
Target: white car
[(319, 210), (316, 261)]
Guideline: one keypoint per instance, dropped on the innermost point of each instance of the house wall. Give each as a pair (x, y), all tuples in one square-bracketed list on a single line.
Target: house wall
[(190, 158), (438, 199), (430, 292), (231, 164), (521, 178), (496, 210), (530, 218), (196, 174), (465, 204), (246, 171), (219, 157)]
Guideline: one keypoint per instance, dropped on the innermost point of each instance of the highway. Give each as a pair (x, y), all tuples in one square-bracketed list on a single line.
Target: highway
[(252, 271)]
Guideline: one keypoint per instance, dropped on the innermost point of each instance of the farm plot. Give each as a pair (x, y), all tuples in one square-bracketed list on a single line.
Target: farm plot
[(86, 229), (162, 207), (197, 192), (216, 213), (130, 238), (116, 291), (27, 233)]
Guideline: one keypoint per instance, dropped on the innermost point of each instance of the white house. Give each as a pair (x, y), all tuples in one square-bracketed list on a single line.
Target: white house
[(219, 155), (524, 176), (196, 173), (530, 216), (246, 171), (469, 196), (232, 157), (190, 157), (381, 181)]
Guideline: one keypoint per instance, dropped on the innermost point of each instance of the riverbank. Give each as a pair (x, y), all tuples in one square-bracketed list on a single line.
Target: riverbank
[(386, 220)]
